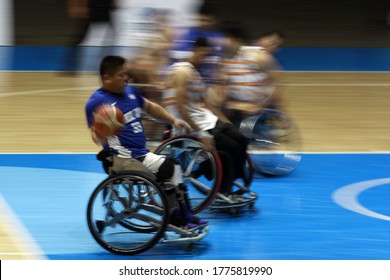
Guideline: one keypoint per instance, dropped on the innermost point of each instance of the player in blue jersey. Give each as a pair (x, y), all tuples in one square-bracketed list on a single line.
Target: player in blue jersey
[(128, 148), (206, 27)]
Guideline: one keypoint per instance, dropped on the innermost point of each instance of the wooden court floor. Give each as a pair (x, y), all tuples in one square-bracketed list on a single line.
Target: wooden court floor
[(43, 112), (335, 111)]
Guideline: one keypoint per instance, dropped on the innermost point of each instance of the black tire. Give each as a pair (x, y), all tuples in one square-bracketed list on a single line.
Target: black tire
[(202, 187)]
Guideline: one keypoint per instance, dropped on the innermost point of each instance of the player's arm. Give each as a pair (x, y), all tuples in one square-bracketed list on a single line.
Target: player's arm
[(91, 105), (261, 57), (96, 138), (214, 99), (157, 111), (180, 81), (267, 63)]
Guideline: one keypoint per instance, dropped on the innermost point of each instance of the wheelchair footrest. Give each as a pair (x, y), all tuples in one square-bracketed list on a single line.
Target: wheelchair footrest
[(179, 235), (233, 200)]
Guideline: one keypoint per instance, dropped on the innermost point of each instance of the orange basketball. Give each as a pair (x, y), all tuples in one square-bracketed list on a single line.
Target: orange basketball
[(108, 120)]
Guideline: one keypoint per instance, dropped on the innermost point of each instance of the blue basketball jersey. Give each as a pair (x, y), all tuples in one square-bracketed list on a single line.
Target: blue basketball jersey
[(131, 141)]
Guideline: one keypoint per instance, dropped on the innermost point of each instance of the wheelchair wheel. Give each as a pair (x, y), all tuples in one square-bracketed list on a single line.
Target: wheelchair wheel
[(202, 171), (249, 171), (275, 142), (127, 213)]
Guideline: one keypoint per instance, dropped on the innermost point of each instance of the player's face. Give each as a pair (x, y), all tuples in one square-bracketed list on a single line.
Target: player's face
[(117, 82), (201, 53), (230, 46)]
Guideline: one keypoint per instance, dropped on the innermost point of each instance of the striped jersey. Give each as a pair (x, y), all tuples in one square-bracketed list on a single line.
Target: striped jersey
[(196, 89), (245, 80)]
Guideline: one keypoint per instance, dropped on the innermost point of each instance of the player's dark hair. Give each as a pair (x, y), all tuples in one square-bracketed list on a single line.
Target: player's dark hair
[(110, 64), (235, 30), (201, 42), (207, 9)]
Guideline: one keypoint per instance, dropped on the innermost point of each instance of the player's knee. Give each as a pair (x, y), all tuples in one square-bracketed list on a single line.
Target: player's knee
[(166, 169), (106, 158)]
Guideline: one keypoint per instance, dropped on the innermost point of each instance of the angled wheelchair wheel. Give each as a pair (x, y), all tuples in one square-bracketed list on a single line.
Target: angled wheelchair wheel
[(249, 171), (275, 142), (127, 213), (202, 170)]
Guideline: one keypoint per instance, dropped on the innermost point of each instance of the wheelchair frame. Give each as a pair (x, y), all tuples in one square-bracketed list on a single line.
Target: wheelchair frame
[(274, 142), (187, 150), (128, 214)]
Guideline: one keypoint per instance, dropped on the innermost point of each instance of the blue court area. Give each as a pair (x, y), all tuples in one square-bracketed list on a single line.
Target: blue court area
[(333, 207)]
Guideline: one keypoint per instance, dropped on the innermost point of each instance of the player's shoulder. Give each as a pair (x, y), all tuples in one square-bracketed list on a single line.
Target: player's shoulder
[(98, 94), (256, 54), (96, 97), (181, 65), (251, 48), (252, 51), (133, 93), (129, 89), (184, 67)]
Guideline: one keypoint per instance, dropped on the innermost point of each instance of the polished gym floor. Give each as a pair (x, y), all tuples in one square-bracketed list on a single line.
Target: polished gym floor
[(333, 207)]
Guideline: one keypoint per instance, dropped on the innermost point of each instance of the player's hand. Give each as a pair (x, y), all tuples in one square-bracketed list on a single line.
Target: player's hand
[(181, 125), (208, 143), (96, 138)]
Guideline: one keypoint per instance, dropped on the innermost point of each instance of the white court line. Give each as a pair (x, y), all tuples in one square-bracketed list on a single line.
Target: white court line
[(92, 153), (283, 71), (350, 152), (18, 234), (329, 71), (38, 91), (347, 197), (336, 85), (49, 153), (57, 90)]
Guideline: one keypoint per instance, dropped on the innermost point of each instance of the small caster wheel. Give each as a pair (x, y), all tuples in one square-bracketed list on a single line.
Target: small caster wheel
[(235, 211)]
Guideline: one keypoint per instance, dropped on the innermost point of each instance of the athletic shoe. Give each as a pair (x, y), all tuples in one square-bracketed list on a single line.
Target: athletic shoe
[(179, 220)]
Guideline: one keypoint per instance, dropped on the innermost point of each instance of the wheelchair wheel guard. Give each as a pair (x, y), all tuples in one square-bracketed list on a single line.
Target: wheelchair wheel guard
[(275, 142), (202, 171)]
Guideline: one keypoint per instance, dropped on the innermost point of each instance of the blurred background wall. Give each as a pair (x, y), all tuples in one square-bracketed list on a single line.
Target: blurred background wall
[(309, 23), (328, 35), (6, 23), (316, 23)]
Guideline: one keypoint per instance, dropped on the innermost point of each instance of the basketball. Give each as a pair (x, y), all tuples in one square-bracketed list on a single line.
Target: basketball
[(108, 120)]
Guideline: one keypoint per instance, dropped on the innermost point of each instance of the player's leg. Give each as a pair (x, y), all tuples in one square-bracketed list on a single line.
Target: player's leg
[(167, 170)]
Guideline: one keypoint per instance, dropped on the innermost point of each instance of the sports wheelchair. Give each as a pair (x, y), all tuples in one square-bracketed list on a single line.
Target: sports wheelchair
[(202, 173), (273, 150), (128, 213), (274, 142)]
